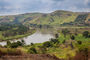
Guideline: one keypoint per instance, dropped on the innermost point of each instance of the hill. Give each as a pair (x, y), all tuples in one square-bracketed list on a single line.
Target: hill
[(56, 18)]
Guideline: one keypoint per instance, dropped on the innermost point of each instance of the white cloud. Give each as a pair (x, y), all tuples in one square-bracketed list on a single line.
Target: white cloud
[(24, 6)]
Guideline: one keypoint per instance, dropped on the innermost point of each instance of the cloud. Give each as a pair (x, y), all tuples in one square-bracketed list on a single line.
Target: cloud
[(25, 6)]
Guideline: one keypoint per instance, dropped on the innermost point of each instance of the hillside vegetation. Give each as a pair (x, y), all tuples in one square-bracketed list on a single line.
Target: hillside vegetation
[(57, 18)]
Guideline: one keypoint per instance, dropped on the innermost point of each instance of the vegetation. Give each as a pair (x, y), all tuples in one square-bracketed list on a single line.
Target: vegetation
[(56, 18), (10, 31), (58, 46), (72, 38)]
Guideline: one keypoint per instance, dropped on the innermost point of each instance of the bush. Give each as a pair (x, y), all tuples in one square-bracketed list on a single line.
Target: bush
[(48, 44), (8, 43), (65, 32), (56, 35), (55, 41), (73, 37), (16, 44), (86, 34), (79, 42), (63, 41), (32, 50)]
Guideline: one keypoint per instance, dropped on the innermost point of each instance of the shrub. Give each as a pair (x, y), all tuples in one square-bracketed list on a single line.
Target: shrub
[(48, 44), (55, 41), (86, 34), (15, 44), (65, 32), (8, 43), (63, 41), (79, 42), (56, 35), (73, 37), (32, 50)]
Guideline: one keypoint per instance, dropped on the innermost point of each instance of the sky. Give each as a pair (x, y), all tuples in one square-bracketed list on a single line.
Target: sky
[(11, 7)]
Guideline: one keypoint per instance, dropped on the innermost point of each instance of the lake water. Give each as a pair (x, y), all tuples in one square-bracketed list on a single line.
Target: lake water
[(37, 37)]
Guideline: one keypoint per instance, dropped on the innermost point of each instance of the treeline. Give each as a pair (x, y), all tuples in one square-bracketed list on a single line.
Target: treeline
[(8, 29), (40, 26)]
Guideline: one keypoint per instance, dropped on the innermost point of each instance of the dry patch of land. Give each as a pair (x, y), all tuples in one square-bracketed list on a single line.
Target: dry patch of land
[(30, 57)]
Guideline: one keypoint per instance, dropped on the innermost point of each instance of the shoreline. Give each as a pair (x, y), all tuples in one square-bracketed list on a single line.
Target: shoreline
[(17, 36)]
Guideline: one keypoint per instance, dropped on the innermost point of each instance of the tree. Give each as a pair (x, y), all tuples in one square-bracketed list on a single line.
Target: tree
[(48, 44), (56, 35), (63, 41), (32, 44), (79, 42), (65, 32), (23, 42), (55, 41), (16, 44), (32, 50), (86, 34), (73, 37), (8, 43)]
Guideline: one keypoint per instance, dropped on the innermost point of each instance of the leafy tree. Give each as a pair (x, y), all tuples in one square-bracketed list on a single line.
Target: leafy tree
[(86, 34), (48, 44), (32, 50), (23, 42), (8, 43), (32, 44), (79, 42), (55, 41), (73, 37), (56, 35), (16, 44), (65, 32), (64, 41)]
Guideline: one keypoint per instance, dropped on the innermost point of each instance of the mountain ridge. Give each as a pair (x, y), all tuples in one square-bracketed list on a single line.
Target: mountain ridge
[(59, 17)]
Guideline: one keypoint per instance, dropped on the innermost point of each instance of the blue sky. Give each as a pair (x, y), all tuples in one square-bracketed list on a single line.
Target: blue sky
[(8, 7)]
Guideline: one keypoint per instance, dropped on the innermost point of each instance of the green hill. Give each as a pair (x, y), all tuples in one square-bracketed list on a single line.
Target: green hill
[(56, 18)]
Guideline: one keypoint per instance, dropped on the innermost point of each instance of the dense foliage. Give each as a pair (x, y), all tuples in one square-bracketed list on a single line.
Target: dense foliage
[(12, 30)]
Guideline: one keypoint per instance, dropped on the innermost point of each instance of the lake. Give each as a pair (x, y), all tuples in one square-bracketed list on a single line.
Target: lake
[(37, 37)]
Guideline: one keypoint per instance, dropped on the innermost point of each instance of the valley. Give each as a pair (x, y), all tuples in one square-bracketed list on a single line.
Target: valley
[(60, 35)]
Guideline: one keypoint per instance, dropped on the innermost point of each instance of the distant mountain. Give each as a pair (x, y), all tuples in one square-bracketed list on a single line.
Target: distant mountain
[(57, 18)]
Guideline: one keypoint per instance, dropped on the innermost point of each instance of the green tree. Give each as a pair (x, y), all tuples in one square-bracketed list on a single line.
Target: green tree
[(65, 32), (56, 35), (32, 50), (86, 34), (23, 42), (48, 44), (8, 43), (79, 42), (55, 41), (73, 37)]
